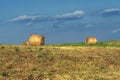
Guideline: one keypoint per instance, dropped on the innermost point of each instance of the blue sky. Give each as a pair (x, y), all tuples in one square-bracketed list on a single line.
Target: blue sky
[(60, 21)]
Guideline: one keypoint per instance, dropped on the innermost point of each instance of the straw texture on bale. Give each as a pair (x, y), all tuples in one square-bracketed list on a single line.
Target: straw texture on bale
[(36, 40), (91, 40)]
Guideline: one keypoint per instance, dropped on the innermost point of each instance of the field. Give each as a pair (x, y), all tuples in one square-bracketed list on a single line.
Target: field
[(76, 61)]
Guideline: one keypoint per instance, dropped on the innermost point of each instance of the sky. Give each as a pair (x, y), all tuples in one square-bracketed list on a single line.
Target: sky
[(60, 21)]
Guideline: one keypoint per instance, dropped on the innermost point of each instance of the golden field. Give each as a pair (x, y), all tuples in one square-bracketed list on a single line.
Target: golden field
[(60, 62)]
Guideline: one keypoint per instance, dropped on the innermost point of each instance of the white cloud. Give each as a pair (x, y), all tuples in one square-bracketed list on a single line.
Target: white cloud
[(112, 11), (72, 15), (24, 17), (116, 30), (36, 19), (29, 19)]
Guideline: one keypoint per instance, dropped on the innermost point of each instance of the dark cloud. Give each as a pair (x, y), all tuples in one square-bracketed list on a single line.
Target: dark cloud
[(36, 19), (111, 12), (58, 24)]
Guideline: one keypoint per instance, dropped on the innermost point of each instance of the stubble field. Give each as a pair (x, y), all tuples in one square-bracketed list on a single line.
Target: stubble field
[(18, 62)]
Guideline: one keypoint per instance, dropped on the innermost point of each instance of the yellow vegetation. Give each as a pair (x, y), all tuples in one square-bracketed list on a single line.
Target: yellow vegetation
[(35, 40), (91, 40), (25, 43)]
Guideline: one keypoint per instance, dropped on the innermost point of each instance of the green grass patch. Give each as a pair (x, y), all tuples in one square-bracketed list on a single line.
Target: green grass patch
[(99, 44)]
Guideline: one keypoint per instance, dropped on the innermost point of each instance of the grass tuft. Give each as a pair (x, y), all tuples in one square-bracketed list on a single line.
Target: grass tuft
[(17, 49)]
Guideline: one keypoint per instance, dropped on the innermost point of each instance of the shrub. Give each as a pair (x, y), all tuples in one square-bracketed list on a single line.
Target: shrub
[(17, 49)]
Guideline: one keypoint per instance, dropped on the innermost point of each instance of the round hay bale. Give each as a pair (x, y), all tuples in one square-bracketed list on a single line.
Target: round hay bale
[(25, 43), (91, 40), (36, 40)]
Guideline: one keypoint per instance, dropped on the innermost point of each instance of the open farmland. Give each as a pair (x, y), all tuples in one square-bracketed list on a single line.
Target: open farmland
[(60, 62)]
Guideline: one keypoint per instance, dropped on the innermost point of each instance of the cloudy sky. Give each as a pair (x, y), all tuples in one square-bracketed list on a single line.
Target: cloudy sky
[(60, 21)]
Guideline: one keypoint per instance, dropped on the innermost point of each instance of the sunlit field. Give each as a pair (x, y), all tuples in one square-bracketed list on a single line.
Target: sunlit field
[(75, 61)]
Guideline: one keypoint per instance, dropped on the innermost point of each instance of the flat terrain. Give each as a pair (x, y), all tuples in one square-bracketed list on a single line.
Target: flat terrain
[(60, 62)]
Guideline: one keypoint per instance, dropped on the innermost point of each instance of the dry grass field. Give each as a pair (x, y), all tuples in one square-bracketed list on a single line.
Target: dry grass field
[(60, 62)]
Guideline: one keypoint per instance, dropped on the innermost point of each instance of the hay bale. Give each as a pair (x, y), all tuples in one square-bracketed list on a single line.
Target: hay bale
[(36, 40), (25, 43), (91, 40)]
